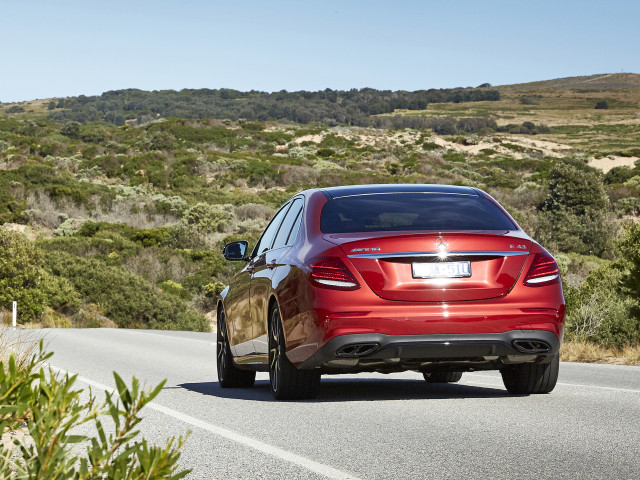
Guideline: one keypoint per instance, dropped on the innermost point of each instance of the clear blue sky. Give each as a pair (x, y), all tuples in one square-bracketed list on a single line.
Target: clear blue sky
[(53, 48)]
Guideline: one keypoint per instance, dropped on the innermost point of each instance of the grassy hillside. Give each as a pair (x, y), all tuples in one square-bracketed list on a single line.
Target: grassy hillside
[(123, 224)]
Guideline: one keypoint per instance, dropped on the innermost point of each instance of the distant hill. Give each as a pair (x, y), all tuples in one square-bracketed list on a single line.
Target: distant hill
[(327, 106), (605, 81)]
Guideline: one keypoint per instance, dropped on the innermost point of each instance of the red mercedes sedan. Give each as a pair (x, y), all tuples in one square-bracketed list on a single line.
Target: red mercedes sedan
[(386, 278)]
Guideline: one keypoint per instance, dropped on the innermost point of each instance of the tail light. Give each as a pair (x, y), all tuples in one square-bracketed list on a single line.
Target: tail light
[(331, 273), (543, 271)]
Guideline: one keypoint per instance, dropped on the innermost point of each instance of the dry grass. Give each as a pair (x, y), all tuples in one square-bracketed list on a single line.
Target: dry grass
[(23, 344), (581, 351)]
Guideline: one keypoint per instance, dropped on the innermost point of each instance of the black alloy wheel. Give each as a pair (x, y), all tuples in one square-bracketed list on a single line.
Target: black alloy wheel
[(229, 376), (286, 381)]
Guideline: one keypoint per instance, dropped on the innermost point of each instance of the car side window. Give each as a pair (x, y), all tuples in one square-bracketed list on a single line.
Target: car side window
[(285, 229), (268, 235), (293, 234)]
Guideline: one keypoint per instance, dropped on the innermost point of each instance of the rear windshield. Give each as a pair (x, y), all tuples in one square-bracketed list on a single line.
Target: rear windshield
[(412, 211)]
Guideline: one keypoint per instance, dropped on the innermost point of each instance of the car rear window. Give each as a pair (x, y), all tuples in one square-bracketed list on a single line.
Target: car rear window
[(412, 211)]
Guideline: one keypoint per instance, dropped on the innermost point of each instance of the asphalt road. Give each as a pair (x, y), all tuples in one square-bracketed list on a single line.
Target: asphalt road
[(368, 425)]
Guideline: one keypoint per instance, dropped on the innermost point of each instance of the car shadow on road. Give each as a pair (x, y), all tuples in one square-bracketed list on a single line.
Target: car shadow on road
[(349, 390)]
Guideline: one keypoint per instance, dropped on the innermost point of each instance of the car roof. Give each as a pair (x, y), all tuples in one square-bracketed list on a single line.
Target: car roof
[(354, 190)]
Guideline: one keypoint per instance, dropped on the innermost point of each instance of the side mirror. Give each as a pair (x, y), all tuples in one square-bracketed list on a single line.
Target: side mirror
[(235, 250)]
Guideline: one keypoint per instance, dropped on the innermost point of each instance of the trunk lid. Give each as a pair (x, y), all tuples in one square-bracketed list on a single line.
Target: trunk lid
[(393, 265)]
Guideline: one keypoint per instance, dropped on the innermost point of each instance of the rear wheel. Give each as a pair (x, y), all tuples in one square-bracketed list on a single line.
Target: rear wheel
[(229, 376), (529, 378), (287, 382), (442, 377)]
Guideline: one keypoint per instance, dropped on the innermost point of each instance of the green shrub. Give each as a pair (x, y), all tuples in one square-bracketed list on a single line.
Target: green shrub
[(15, 109), (628, 206), (325, 152), (53, 410), (20, 276), (600, 311), (208, 218), (163, 141), (127, 299), (103, 243), (90, 315), (618, 175), (630, 247), (59, 292), (11, 210), (454, 157), (176, 289), (530, 100), (214, 289), (430, 146), (52, 319), (184, 236), (334, 141), (151, 237)]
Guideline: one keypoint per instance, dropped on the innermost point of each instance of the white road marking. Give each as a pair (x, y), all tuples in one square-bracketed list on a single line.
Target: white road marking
[(287, 456), (499, 382)]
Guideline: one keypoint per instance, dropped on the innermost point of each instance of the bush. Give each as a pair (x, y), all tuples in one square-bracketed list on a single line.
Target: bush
[(151, 237), (618, 175), (184, 236), (529, 100), (602, 105), (91, 316), (175, 288), (53, 410), (59, 292), (20, 276), (630, 247), (600, 311), (208, 218), (15, 109), (628, 206), (127, 299)]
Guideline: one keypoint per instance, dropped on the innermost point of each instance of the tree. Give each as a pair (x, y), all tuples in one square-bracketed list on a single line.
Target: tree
[(575, 190), (575, 214)]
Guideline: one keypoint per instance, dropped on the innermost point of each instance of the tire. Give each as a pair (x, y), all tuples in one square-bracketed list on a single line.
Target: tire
[(286, 381), (442, 377), (528, 378), (229, 376)]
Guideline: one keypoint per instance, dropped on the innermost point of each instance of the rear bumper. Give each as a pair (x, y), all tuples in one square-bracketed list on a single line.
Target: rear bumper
[(349, 351)]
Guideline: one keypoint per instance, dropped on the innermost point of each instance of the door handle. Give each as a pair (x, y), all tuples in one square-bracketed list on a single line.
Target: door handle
[(272, 264)]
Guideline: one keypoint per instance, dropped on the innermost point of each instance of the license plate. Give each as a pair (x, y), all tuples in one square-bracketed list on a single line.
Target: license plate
[(441, 270)]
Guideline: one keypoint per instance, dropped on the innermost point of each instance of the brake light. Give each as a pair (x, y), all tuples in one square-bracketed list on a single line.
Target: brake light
[(543, 271), (331, 273)]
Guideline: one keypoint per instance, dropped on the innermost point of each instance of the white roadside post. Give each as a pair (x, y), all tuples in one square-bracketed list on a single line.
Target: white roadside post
[(15, 313)]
